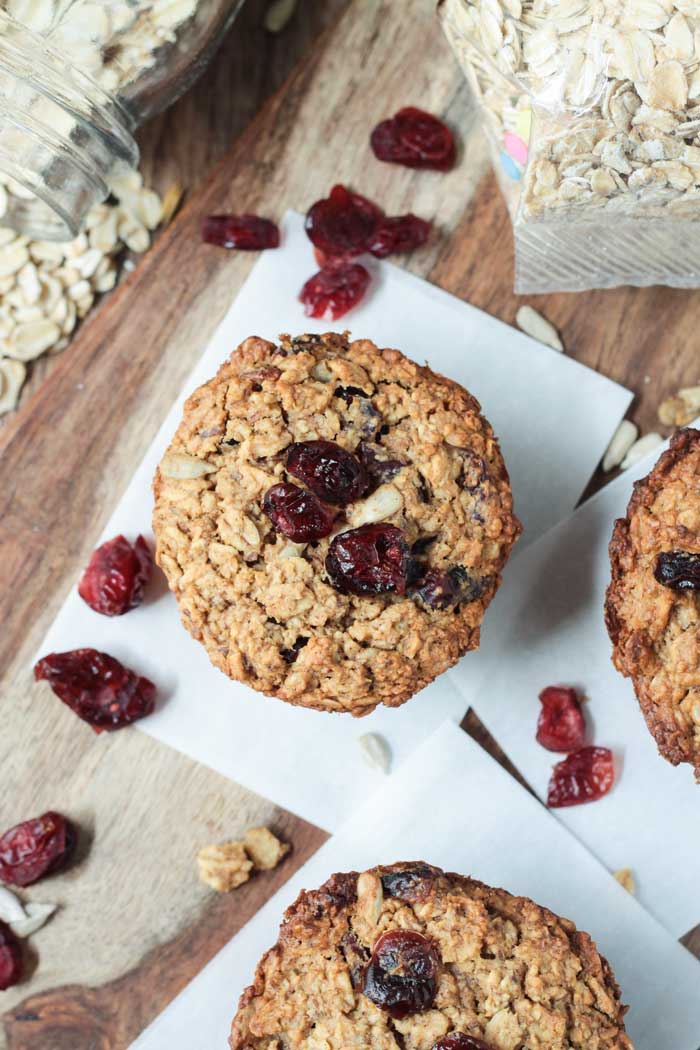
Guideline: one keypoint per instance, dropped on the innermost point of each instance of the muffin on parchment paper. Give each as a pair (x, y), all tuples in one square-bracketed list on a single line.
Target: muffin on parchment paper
[(333, 520), (407, 956), (652, 607)]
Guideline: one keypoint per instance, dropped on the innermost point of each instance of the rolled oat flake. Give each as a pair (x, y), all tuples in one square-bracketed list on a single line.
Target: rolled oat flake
[(592, 110)]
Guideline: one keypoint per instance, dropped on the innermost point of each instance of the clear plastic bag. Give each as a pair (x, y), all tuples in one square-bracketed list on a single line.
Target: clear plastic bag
[(592, 110)]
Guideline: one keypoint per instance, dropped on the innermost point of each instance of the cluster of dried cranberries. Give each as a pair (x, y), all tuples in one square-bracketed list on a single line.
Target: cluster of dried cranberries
[(372, 559), (341, 227), (96, 686), (587, 773)]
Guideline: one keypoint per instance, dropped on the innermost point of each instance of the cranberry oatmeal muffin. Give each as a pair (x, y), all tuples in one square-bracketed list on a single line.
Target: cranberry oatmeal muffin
[(333, 520), (409, 957), (652, 607)]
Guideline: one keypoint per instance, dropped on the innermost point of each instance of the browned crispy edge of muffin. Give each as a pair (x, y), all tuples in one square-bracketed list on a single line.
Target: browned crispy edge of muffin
[(340, 890), (631, 650)]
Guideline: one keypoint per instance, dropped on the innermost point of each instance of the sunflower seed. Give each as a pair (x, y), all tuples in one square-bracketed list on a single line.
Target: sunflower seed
[(640, 449), (375, 751), (622, 441), (538, 327), (11, 908), (38, 914)]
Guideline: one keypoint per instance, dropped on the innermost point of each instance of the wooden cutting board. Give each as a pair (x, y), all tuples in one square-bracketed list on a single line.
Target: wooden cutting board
[(135, 925)]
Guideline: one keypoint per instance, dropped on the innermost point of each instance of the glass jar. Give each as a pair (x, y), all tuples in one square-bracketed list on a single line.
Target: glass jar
[(76, 79)]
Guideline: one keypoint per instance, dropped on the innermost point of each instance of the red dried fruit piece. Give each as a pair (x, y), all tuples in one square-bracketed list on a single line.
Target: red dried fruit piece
[(402, 974), (584, 776), (247, 233), (98, 688), (332, 473), (330, 293), (297, 514), (460, 1041), (409, 884), (35, 848), (415, 139), (373, 559), (679, 570), (560, 726), (342, 224), (11, 966), (398, 234), (439, 590), (116, 576)]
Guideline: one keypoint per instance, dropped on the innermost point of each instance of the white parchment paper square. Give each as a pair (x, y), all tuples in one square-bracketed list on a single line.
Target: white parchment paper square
[(554, 418), (454, 806), (546, 628)]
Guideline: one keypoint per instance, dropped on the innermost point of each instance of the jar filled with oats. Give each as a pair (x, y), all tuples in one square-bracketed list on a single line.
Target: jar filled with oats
[(76, 78), (592, 110)]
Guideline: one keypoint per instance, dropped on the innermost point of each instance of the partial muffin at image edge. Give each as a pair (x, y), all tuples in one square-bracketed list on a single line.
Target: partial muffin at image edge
[(651, 607), (333, 520), (409, 956)]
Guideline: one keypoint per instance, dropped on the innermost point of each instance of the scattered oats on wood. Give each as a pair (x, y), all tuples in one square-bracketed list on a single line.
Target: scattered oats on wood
[(264, 849), (38, 914), (224, 867), (626, 879), (532, 323), (640, 449), (375, 751), (682, 409), (279, 14), (621, 442)]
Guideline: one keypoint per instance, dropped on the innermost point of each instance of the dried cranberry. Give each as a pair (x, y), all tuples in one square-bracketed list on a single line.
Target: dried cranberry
[(416, 139), (98, 688), (116, 576), (398, 234), (561, 726), (439, 590), (584, 776), (679, 570), (331, 292), (331, 472), (297, 514), (409, 884), (35, 848), (402, 974), (379, 470), (248, 233), (460, 1041), (290, 655), (370, 560), (342, 224), (11, 966)]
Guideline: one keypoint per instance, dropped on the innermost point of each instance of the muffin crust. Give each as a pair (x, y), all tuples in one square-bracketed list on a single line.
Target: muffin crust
[(263, 606), (510, 973), (655, 630)]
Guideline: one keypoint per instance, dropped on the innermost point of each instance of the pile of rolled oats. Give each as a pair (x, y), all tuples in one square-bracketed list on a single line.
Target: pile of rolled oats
[(115, 41), (592, 106), (47, 287)]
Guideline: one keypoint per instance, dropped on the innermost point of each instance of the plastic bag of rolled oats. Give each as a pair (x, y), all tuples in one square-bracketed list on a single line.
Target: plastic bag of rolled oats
[(592, 109)]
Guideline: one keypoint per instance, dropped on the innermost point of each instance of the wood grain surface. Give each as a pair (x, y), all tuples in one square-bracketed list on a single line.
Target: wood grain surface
[(135, 925)]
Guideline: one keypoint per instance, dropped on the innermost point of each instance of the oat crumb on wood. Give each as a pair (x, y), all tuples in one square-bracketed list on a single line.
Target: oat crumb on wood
[(264, 849)]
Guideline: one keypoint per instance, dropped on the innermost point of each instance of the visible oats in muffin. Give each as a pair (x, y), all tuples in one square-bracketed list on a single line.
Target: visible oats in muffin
[(406, 956), (652, 607), (333, 520)]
